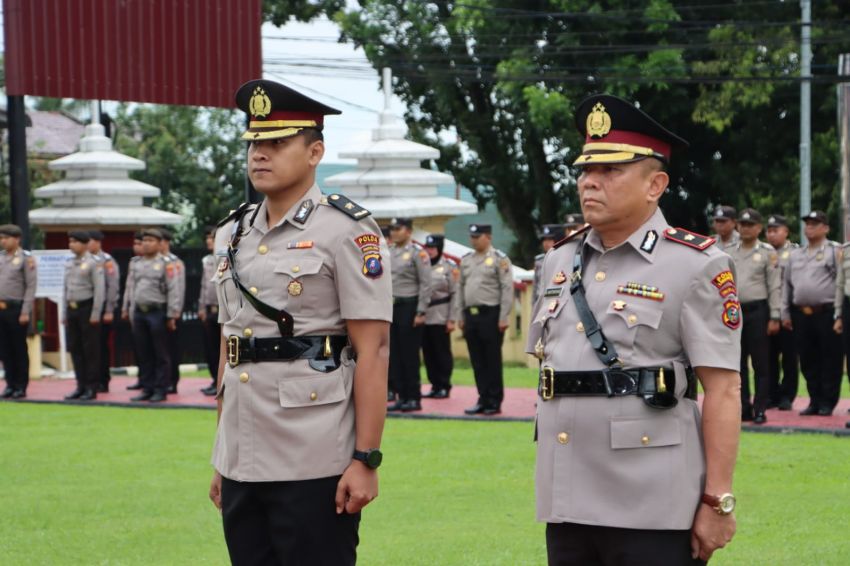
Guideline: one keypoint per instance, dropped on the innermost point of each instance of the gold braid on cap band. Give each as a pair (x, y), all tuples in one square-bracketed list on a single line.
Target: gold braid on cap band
[(282, 124), (620, 147)]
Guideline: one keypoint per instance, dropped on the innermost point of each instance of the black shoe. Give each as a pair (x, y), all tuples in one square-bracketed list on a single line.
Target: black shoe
[(809, 411), (88, 395), (492, 411), (397, 406), (390, 397), (773, 405), (135, 387), (847, 424), (747, 414), (760, 418), (145, 396), (75, 395), (785, 405), (19, 394), (172, 389), (437, 394), (102, 388), (412, 405), (824, 412), (210, 391), (157, 397), (476, 409), (7, 393)]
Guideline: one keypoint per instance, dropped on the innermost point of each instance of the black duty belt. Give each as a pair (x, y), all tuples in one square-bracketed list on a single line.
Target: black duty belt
[(75, 305), (442, 301), (322, 351), (9, 304), (153, 307), (405, 300), (657, 384), (478, 309), (809, 310), (211, 309)]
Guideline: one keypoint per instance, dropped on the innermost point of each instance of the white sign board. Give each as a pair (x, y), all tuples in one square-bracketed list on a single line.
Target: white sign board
[(51, 273)]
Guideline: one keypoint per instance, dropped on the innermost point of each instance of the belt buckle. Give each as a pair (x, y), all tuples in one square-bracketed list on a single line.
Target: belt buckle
[(233, 351), (808, 311), (144, 308), (547, 384), (73, 305), (473, 311), (3, 305)]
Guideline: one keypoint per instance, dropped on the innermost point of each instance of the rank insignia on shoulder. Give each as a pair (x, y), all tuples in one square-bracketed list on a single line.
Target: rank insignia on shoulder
[(687, 238), (349, 207)]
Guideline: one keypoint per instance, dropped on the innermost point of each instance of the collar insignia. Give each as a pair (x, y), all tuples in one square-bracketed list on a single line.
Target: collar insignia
[(303, 211), (649, 241)]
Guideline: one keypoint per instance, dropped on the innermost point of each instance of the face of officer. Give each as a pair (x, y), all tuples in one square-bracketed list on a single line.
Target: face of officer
[(400, 234), (285, 164), (749, 231), (150, 246), (9, 243), (816, 231), (432, 252), (164, 246), (480, 242), (77, 247), (724, 227), (617, 198), (137, 247), (94, 246), (548, 244), (777, 236), (210, 242)]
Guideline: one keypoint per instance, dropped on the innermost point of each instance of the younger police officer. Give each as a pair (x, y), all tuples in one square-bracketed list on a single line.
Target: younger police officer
[(440, 318), (208, 311), (550, 234), (17, 291), (174, 352), (303, 292)]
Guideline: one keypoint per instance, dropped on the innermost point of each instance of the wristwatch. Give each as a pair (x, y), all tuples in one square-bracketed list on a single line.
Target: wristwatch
[(371, 457), (723, 504)]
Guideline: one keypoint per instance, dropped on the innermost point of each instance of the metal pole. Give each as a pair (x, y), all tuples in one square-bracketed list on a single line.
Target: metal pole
[(843, 94), (19, 182), (805, 112)]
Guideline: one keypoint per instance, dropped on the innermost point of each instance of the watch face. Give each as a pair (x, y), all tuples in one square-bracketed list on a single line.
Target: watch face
[(374, 458), (727, 503)]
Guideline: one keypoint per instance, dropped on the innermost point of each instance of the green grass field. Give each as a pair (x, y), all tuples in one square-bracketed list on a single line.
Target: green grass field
[(95, 485)]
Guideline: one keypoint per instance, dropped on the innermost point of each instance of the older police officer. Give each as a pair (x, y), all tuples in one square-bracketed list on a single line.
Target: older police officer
[(304, 291), (626, 473)]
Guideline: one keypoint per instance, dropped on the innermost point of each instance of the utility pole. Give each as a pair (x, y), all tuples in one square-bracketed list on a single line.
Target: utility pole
[(19, 182), (805, 111), (843, 94)]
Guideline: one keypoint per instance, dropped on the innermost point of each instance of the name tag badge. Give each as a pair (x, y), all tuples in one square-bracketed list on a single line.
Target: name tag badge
[(553, 292)]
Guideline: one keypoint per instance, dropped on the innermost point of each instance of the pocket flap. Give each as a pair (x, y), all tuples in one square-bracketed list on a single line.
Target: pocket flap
[(636, 311), (311, 391), (645, 433), (298, 266)]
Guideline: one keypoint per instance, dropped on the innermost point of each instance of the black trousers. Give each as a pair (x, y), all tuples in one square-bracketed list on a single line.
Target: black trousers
[(405, 342), (437, 353), (212, 341), (754, 345), (174, 354), (105, 353), (845, 335), (13, 348), (484, 342), (151, 339), (287, 523), (783, 354), (821, 353), (571, 544), (84, 345)]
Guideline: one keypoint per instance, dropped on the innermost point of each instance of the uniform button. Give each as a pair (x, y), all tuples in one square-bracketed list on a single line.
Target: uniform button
[(247, 333), (296, 268), (600, 276), (263, 249), (243, 377), (644, 440), (313, 396), (563, 437), (632, 319), (254, 290), (579, 327)]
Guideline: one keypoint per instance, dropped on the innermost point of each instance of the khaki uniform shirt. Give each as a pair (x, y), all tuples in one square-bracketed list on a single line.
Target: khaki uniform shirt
[(538, 266), (18, 278), (283, 421), (206, 295), (155, 282), (842, 283), (733, 240), (615, 461), (180, 276), (112, 276), (444, 277), (811, 276), (758, 275), (411, 268), (486, 280), (84, 280)]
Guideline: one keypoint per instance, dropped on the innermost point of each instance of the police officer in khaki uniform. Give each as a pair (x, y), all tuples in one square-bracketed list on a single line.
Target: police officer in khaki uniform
[(760, 292), (411, 269), (782, 350), (440, 318), (174, 352), (549, 234), (17, 291), (632, 308), (127, 299), (304, 290), (83, 296), (208, 311), (484, 300), (155, 308), (808, 297), (723, 221), (112, 276)]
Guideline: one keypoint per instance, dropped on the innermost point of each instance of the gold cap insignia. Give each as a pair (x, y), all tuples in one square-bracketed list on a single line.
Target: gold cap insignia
[(260, 105), (598, 122)]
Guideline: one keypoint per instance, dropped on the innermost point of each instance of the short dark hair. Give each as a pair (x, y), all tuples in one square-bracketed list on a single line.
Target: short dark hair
[(312, 135)]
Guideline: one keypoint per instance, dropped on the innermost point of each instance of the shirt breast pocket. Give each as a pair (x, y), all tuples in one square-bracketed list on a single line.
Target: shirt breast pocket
[(552, 302), (633, 317), (227, 294), (301, 280)]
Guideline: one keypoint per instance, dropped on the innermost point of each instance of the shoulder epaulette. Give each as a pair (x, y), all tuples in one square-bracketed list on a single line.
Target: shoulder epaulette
[(500, 253), (572, 236), (467, 254), (450, 261), (539, 256), (26, 253), (349, 207), (688, 238), (234, 214)]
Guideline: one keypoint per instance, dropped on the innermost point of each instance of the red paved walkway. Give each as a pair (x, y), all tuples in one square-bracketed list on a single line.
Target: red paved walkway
[(519, 404)]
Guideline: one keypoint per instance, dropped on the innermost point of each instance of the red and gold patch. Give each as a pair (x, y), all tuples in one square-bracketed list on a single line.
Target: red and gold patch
[(732, 313), (110, 267), (169, 270), (723, 278)]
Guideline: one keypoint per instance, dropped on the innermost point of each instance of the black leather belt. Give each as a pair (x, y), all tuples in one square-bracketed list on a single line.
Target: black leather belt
[(442, 301), (614, 382), (153, 307), (74, 305), (405, 300), (322, 351), (9, 304), (478, 309), (809, 310)]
